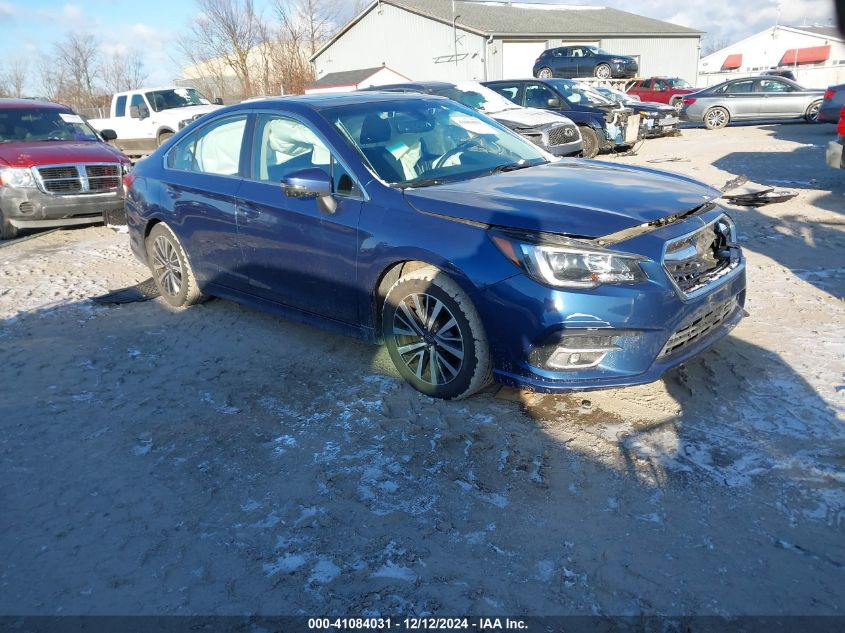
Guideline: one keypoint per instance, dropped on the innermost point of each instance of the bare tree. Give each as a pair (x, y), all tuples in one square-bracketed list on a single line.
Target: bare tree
[(223, 37), (314, 20), (712, 44), (123, 71), (16, 78), (76, 67)]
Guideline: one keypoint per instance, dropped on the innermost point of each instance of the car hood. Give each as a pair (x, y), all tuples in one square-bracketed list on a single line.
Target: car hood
[(572, 197), (28, 154), (528, 117)]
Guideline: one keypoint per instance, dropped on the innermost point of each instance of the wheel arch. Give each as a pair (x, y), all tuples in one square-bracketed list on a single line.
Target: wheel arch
[(392, 271)]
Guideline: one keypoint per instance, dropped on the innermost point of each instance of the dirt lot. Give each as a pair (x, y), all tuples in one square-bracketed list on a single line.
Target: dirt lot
[(219, 460)]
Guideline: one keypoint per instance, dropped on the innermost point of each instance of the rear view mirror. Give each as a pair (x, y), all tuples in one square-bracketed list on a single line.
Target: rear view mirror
[(138, 112), (307, 183), (108, 135), (553, 103)]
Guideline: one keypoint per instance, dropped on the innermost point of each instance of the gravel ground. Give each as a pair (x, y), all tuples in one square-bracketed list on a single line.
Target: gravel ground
[(222, 461)]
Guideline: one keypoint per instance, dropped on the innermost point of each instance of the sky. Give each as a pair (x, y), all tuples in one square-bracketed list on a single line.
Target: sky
[(29, 28)]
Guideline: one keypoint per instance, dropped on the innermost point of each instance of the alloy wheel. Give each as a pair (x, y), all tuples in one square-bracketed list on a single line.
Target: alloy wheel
[(716, 118), (428, 339), (603, 71), (166, 266), (545, 73), (813, 112)]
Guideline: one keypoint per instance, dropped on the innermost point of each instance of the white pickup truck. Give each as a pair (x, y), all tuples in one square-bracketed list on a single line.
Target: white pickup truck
[(143, 119)]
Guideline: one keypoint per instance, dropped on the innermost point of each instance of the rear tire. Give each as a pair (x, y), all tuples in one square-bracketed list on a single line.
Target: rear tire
[(716, 118), (677, 103), (171, 269), (545, 73), (7, 231), (603, 71), (812, 113), (434, 335), (590, 142)]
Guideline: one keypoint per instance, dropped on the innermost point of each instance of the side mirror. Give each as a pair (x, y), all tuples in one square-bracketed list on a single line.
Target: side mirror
[(307, 183), (553, 103), (134, 112), (108, 135), (218, 101)]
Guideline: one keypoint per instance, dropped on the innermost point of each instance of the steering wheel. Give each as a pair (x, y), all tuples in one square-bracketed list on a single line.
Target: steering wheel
[(460, 147)]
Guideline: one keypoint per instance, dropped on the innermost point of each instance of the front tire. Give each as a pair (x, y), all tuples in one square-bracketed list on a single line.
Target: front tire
[(716, 118), (7, 230), (171, 269), (545, 73), (812, 114), (603, 71), (589, 142), (434, 335)]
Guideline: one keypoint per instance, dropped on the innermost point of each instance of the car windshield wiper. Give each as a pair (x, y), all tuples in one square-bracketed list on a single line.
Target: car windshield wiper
[(422, 182), (498, 169)]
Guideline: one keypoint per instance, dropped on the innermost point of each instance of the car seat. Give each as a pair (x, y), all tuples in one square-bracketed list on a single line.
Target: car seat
[(375, 133)]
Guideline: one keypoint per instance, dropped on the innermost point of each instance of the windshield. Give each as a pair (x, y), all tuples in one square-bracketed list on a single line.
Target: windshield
[(614, 95), (678, 83), (47, 124), (576, 93), (176, 98), (423, 142), (477, 97)]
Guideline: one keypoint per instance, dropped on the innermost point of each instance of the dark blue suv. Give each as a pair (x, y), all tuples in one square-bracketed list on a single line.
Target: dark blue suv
[(468, 251), (603, 124), (583, 61)]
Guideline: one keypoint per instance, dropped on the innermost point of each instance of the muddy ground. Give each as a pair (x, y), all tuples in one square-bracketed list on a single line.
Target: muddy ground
[(222, 461)]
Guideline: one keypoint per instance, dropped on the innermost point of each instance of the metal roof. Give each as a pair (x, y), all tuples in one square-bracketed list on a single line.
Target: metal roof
[(824, 31), (514, 18), (526, 20), (345, 77)]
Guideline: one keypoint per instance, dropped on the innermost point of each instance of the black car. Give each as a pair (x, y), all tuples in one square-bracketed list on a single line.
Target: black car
[(658, 119), (583, 61), (603, 124), (554, 132)]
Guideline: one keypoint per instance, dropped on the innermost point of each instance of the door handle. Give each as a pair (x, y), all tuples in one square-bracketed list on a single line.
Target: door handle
[(249, 211)]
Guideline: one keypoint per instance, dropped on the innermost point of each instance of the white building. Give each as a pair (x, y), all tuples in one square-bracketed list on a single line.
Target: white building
[(347, 80), (425, 39), (815, 54)]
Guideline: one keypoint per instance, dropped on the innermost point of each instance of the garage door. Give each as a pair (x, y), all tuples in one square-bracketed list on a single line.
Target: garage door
[(518, 58)]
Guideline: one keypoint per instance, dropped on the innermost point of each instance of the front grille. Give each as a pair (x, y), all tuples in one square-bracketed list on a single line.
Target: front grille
[(562, 134), (694, 261), (65, 180), (703, 323), (103, 177)]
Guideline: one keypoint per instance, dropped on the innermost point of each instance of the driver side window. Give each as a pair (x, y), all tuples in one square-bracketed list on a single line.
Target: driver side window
[(283, 146)]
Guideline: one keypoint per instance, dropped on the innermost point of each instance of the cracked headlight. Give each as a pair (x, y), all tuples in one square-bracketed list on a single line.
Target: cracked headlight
[(570, 265), (17, 177)]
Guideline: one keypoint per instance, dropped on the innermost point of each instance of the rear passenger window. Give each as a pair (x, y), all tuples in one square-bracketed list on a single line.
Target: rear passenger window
[(120, 106), (214, 149), (508, 92)]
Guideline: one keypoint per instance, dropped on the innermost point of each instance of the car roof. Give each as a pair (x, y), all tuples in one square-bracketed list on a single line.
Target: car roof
[(411, 85), (39, 104), (332, 99)]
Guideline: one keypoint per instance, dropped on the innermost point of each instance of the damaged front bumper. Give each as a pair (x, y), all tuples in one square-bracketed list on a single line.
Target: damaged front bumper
[(622, 128), (612, 335)]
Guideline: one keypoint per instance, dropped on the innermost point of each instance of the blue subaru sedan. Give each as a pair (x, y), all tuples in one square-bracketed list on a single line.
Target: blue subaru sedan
[(413, 221)]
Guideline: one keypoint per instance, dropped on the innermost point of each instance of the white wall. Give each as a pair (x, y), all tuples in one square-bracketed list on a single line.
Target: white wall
[(659, 56), (407, 43), (765, 50)]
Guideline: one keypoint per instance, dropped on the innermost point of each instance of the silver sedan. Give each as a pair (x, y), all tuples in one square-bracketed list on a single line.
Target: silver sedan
[(752, 98)]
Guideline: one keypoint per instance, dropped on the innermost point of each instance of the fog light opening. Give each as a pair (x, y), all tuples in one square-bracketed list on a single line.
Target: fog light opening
[(581, 351)]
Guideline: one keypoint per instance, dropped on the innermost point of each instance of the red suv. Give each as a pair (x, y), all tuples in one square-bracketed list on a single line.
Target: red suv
[(55, 170), (669, 90)]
